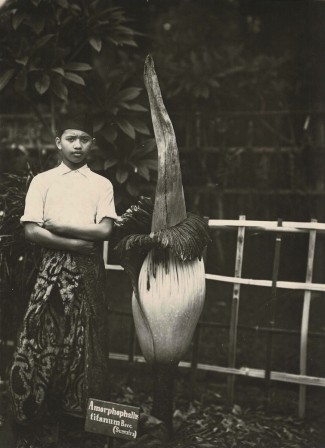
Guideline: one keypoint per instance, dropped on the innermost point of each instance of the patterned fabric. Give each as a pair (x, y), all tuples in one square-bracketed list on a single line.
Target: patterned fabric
[(62, 350)]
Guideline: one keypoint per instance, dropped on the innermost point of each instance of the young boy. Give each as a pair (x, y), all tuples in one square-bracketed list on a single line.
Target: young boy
[(61, 355)]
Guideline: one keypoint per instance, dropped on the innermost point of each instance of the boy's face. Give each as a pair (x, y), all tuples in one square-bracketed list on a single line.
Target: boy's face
[(74, 146)]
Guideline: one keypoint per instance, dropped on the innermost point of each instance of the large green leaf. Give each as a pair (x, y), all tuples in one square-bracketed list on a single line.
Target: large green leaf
[(135, 107), (74, 78), (126, 127), (109, 163), (43, 84), (59, 89), (146, 150), (109, 133), (128, 41), (17, 19), (77, 67), (139, 125), (95, 42), (150, 145), (43, 40), (121, 175), (58, 70), (99, 122), (37, 22), (5, 77), (143, 171), (128, 94), (152, 164), (124, 29)]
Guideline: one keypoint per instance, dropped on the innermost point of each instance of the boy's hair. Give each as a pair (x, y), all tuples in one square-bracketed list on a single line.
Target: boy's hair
[(82, 122)]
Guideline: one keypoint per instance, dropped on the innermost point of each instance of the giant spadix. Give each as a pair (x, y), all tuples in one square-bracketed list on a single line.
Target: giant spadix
[(161, 248)]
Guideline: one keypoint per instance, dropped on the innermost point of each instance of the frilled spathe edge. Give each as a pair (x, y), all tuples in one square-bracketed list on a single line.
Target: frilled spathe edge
[(185, 240)]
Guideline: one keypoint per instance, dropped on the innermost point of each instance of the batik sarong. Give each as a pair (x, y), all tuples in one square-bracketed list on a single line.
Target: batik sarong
[(62, 351)]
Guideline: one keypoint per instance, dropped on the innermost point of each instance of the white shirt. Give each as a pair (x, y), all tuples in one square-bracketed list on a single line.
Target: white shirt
[(69, 196)]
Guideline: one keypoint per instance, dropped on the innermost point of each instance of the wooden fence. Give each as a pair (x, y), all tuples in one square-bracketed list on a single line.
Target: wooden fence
[(267, 374)]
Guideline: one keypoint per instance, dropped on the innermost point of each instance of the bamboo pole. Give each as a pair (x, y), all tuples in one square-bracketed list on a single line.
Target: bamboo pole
[(269, 343), (235, 309), (251, 282), (267, 283), (287, 226), (305, 321), (267, 226), (285, 377)]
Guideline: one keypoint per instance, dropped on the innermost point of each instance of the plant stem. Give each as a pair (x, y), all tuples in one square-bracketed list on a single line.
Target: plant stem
[(163, 393)]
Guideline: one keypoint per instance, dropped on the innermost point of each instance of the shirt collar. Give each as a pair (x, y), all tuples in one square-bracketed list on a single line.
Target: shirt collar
[(64, 169)]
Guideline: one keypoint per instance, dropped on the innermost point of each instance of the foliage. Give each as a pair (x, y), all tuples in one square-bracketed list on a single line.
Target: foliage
[(18, 259), (55, 56), (128, 165), (12, 195), (44, 42), (211, 67), (206, 425), (126, 154), (204, 49)]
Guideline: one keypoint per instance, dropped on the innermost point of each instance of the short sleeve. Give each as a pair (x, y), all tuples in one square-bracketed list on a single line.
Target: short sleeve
[(106, 204), (34, 204)]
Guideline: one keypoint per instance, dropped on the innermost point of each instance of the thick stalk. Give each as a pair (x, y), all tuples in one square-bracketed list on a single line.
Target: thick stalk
[(163, 393)]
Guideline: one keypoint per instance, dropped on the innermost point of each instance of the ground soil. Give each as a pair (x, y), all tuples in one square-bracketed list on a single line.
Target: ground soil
[(203, 418)]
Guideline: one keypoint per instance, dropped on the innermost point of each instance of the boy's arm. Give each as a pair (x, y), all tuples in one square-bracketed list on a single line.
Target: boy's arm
[(90, 232), (43, 237)]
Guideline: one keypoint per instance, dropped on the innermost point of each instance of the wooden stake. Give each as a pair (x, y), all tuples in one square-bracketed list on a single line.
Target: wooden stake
[(235, 309), (269, 343), (305, 321)]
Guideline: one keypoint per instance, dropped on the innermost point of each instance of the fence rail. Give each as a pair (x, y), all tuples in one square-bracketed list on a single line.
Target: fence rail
[(243, 226)]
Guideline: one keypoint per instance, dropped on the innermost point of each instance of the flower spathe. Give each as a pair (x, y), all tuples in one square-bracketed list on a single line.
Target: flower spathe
[(171, 298)]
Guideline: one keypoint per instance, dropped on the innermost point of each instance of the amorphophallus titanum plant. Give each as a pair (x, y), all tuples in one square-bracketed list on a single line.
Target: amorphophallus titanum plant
[(161, 249)]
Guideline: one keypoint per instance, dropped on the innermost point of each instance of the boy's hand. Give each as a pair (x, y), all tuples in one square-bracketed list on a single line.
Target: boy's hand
[(85, 247)]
